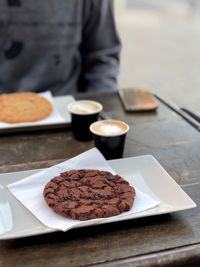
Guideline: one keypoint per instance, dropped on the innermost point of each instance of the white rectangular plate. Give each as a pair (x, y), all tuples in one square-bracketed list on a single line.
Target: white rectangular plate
[(144, 171), (60, 103)]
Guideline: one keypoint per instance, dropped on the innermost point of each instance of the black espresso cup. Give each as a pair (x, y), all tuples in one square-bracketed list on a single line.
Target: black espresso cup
[(83, 114), (109, 137)]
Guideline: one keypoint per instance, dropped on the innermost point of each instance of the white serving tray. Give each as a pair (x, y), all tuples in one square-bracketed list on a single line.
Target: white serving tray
[(59, 104), (144, 172)]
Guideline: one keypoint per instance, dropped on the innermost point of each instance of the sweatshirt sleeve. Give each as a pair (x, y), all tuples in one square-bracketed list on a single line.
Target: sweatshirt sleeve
[(100, 47)]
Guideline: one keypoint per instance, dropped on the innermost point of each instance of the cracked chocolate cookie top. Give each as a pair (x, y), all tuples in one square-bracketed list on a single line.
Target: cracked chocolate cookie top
[(88, 194)]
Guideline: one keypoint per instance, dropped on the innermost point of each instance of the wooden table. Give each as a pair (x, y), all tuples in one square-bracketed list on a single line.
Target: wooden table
[(167, 240)]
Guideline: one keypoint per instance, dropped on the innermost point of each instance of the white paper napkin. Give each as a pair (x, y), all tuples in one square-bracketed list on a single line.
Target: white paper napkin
[(52, 118), (29, 192)]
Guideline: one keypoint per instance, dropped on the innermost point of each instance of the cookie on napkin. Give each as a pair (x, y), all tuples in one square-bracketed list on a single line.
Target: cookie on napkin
[(88, 194)]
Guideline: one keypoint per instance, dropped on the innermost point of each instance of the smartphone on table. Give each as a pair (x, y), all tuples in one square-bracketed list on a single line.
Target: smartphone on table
[(137, 99)]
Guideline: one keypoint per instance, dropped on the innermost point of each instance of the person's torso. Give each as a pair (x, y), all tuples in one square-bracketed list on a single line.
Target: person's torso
[(39, 43)]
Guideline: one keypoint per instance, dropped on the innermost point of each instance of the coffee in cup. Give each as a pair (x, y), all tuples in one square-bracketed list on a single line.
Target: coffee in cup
[(83, 114), (109, 137)]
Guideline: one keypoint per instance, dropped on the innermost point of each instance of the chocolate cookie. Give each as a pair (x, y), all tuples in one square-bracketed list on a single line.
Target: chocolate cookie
[(88, 194), (23, 107)]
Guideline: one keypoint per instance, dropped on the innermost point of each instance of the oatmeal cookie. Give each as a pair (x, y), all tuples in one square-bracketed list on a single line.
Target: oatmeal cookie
[(23, 107)]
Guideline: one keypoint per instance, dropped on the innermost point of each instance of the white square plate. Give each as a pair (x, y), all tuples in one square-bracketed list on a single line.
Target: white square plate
[(144, 171), (60, 104)]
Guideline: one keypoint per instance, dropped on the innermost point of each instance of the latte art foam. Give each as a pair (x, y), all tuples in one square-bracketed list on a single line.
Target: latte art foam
[(84, 107), (109, 128)]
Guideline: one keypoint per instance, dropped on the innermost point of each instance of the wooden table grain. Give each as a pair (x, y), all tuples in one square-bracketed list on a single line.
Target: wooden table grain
[(165, 240)]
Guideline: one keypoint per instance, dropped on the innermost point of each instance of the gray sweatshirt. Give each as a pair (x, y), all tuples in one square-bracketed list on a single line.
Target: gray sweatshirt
[(58, 45)]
